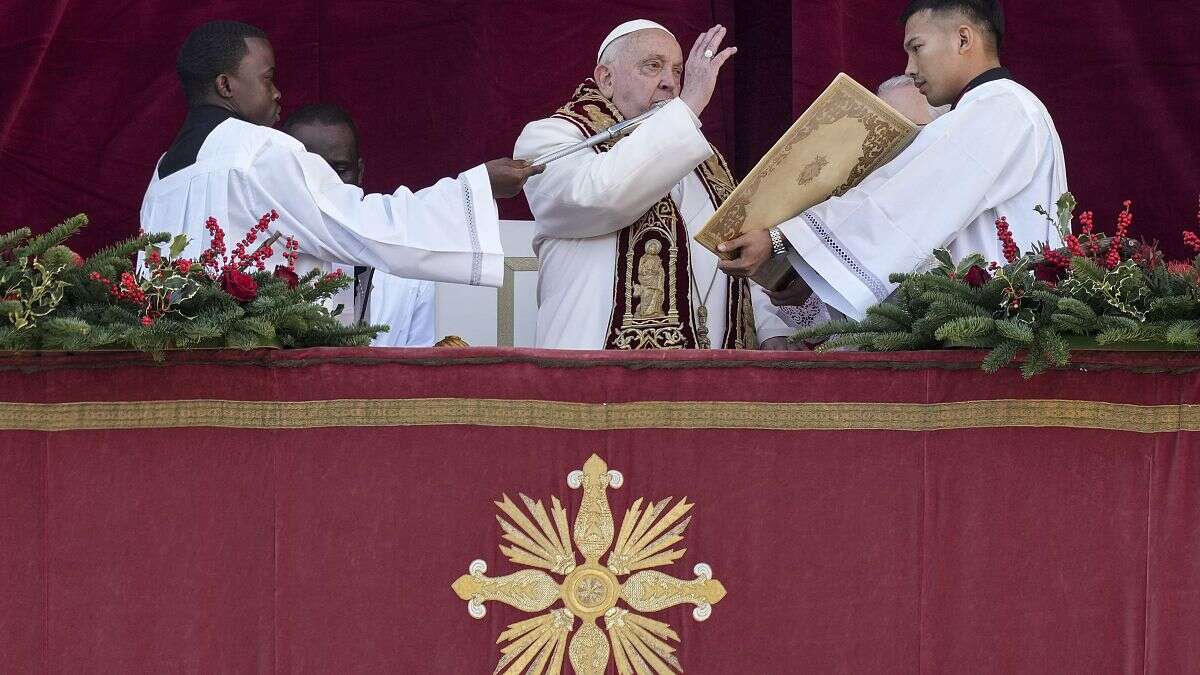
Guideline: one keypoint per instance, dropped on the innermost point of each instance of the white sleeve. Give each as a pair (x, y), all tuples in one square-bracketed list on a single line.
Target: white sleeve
[(973, 159), (591, 194), (446, 232), (767, 322)]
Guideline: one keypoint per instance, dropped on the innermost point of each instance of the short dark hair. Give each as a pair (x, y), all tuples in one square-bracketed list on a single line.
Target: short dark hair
[(211, 49), (325, 114), (987, 14)]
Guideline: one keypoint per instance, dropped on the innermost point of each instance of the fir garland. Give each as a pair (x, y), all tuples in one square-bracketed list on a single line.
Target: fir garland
[(1112, 291), (53, 299)]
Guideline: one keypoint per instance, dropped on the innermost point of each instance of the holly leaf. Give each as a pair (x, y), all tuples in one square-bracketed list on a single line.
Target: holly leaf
[(1066, 211), (179, 243), (973, 260), (943, 257)]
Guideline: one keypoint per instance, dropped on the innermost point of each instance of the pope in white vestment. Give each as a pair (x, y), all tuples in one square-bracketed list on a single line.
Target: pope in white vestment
[(583, 202)]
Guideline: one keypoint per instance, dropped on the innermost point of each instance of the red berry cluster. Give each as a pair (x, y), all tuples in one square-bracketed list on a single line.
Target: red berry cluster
[(1124, 220), (184, 266), (1057, 259), (126, 289), (216, 246), (1074, 246), (1011, 252), (1192, 241), (291, 249), (1012, 297), (240, 257), (1088, 220), (336, 274)]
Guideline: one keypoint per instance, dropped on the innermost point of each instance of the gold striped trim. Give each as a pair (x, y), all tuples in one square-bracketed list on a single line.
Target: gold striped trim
[(1148, 419)]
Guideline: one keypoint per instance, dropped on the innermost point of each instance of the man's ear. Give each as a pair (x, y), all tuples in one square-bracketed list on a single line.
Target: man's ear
[(223, 88), (604, 79), (966, 39)]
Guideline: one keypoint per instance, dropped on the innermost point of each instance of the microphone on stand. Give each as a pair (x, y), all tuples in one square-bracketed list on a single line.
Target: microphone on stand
[(606, 135)]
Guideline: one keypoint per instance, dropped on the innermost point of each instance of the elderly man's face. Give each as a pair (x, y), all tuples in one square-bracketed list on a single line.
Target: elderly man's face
[(910, 102), (647, 68)]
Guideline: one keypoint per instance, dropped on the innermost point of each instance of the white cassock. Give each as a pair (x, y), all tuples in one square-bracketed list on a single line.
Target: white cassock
[(581, 203), (996, 154), (406, 306), (446, 232)]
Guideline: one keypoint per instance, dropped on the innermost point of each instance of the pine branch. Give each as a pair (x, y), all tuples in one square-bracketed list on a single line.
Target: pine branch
[(965, 328), (57, 235), (856, 340), (1017, 331), (896, 342), (1001, 355), (118, 255), (1184, 333), (14, 238), (829, 328), (894, 314)]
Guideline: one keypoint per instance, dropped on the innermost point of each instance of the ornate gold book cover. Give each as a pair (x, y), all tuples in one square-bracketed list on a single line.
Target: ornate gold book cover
[(847, 133)]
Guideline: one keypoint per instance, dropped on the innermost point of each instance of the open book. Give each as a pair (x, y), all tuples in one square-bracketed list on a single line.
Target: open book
[(847, 133)]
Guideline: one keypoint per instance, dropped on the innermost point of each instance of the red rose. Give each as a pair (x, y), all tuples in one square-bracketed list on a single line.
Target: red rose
[(1047, 273), (239, 285), (287, 275), (977, 276)]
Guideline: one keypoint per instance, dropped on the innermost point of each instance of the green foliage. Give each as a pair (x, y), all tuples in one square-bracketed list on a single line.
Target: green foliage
[(35, 247), (1139, 301), (48, 302)]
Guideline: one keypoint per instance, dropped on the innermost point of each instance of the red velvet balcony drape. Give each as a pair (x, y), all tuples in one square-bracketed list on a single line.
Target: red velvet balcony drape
[(309, 510)]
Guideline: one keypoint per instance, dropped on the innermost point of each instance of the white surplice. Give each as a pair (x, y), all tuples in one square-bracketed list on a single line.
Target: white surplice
[(582, 202), (996, 154), (446, 232), (406, 306)]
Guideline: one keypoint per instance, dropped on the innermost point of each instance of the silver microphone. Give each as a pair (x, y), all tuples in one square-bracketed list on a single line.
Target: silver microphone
[(606, 135)]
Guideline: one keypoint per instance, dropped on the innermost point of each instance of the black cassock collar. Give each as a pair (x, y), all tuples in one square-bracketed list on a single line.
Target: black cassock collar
[(983, 78), (200, 122)]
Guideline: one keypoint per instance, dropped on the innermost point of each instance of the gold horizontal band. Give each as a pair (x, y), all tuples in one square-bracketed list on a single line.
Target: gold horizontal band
[(81, 416)]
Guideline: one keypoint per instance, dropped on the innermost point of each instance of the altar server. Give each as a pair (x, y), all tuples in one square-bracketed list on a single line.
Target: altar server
[(996, 153), (226, 162), (619, 269), (406, 306)]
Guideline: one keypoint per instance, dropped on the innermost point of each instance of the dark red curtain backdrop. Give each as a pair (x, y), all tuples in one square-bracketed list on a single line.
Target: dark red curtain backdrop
[(88, 96)]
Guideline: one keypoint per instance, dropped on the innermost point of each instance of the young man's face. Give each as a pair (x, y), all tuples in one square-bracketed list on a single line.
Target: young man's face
[(335, 144), (935, 58), (251, 87)]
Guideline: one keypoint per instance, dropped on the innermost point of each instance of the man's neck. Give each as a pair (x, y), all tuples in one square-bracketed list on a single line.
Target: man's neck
[(215, 102), (991, 70), (990, 64)]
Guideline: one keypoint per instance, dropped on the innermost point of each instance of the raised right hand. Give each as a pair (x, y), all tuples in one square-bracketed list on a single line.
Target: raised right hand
[(508, 176), (700, 72)]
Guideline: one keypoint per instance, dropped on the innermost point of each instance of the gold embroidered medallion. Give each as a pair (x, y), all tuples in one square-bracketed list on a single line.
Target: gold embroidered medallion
[(541, 540)]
